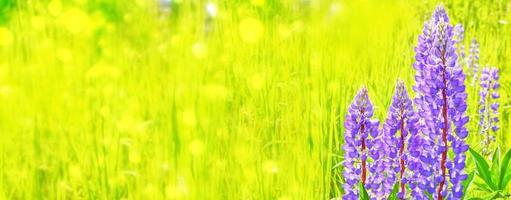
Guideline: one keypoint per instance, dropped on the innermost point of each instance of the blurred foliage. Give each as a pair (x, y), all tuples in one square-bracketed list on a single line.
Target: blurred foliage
[(142, 99)]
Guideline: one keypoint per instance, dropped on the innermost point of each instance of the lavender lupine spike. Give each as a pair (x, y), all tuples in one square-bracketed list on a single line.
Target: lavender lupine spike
[(459, 33), (423, 181), (459, 36), (377, 149), (358, 125), (441, 101), (400, 118), (495, 96), (488, 107), (473, 60), (447, 95)]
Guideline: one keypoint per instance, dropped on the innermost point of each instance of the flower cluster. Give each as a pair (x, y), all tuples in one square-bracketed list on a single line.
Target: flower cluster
[(488, 106), (424, 150), (377, 182), (358, 126), (459, 36), (473, 60), (400, 118), (441, 100)]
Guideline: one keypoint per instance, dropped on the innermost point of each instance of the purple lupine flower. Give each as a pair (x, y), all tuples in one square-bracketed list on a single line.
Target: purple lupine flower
[(495, 96), (400, 118), (459, 36), (358, 125), (488, 107), (376, 181), (473, 60), (423, 171), (459, 33), (441, 103)]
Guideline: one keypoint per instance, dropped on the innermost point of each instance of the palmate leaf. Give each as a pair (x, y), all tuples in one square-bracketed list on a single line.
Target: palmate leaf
[(495, 166), (495, 160), (482, 187), (493, 195), (506, 179), (490, 196), (363, 193), (483, 169), (504, 171)]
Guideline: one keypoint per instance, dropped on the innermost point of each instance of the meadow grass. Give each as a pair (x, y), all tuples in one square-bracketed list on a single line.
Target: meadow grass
[(115, 99)]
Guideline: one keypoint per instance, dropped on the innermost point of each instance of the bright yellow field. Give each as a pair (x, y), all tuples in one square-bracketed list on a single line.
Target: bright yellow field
[(110, 99)]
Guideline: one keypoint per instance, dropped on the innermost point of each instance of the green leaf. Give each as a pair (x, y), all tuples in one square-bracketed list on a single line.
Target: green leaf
[(493, 195), (506, 180), (429, 195), (483, 169), (393, 194), (504, 170), (363, 192), (482, 187), (495, 161), (467, 183), (495, 165)]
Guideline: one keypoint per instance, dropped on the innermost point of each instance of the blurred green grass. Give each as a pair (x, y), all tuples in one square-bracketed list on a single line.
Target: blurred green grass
[(115, 99)]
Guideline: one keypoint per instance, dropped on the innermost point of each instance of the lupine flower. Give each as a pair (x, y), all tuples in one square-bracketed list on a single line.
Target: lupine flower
[(441, 103), (376, 183), (473, 60), (459, 36), (400, 118), (358, 126), (423, 181), (488, 107), (459, 33)]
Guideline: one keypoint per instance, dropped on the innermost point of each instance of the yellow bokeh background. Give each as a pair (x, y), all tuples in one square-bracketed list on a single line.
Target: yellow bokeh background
[(144, 99)]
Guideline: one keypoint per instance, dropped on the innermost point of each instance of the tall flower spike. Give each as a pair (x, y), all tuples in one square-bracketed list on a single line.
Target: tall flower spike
[(401, 118), (494, 73), (441, 101), (423, 181), (358, 125), (473, 60), (459, 36), (459, 33), (376, 184), (488, 107)]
